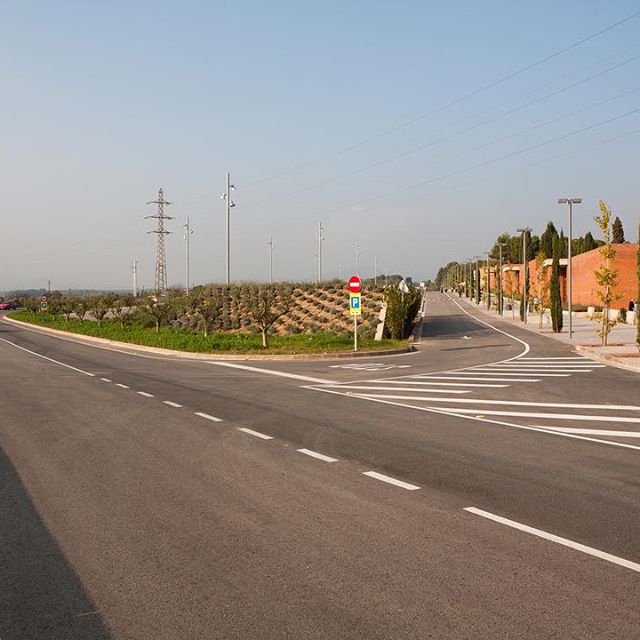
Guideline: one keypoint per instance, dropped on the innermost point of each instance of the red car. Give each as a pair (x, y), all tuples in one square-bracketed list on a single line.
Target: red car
[(7, 306)]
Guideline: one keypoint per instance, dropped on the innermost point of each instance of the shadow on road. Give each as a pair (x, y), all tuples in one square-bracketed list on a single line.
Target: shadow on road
[(453, 327), (41, 596)]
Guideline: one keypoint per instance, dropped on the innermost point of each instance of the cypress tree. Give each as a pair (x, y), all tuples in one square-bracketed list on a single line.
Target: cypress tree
[(554, 289), (618, 231), (546, 240)]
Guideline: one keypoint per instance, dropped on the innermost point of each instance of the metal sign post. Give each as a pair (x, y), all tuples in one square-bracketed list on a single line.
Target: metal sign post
[(355, 305)]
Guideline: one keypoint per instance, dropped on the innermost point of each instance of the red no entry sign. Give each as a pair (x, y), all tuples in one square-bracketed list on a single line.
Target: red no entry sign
[(355, 284)]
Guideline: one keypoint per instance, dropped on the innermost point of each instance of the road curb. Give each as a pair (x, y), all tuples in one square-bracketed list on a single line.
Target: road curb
[(607, 358), (189, 355)]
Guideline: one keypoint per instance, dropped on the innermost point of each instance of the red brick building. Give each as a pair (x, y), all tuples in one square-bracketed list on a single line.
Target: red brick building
[(585, 289)]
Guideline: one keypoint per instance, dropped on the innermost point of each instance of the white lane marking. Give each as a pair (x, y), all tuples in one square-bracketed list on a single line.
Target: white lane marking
[(257, 434), (105, 379), (558, 358), (419, 389), (527, 348), (485, 421), (206, 416), (512, 374), (270, 372), (390, 480), (39, 355), (444, 384), (544, 367), (145, 394), (427, 377), (518, 403), (548, 416), (634, 566), (122, 386), (315, 454), (172, 404), (527, 372), (594, 432)]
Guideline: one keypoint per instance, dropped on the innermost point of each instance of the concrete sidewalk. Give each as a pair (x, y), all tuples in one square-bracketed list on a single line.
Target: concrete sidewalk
[(622, 350)]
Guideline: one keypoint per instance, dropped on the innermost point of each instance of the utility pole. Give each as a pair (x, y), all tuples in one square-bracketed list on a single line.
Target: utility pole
[(321, 239), (500, 289), (134, 269), (570, 202), (477, 279), (161, 232), (49, 286), (229, 204), (358, 248), (525, 266), (187, 232), (270, 245), (375, 271), (488, 281)]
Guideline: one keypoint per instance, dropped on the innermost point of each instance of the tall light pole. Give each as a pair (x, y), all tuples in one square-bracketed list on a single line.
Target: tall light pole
[(358, 248), (375, 271), (488, 281), (525, 265), (321, 239), (570, 202), (500, 289), (229, 204), (134, 270), (270, 245), (187, 233), (477, 279)]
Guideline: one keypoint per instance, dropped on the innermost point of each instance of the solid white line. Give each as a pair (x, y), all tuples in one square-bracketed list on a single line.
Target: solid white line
[(558, 365), (513, 374), (485, 421), (519, 403), (527, 372), (444, 384), (257, 434), (558, 358), (347, 386), (594, 432), (122, 386), (548, 416), (270, 372), (315, 454), (483, 379), (105, 379), (634, 566), (145, 394), (390, 480), (39, 355), (206, 416), (172, 404)]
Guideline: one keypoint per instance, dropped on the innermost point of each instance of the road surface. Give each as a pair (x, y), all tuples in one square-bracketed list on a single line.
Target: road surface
[(486, 486)]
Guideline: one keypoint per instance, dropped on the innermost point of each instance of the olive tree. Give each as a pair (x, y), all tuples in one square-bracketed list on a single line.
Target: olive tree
[(206, 305), (266, 306)]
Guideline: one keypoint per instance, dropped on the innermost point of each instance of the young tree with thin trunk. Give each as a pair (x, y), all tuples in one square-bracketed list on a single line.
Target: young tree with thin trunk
[(121, 309), (99, 306), (206, 306), (266, 306), (80, 308), (606, 276), (156, 307)]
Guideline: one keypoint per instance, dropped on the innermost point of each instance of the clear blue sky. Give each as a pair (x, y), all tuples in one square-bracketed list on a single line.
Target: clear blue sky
[(103, 103)]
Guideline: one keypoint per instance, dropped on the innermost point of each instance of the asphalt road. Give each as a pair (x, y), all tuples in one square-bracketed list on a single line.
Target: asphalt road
[(147, 497)]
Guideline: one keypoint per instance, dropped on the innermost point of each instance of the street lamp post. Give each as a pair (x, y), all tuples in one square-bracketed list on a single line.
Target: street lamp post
[(477, 279), (488, 281), (229, 204), (500, 289), (525, 265), (570, 202)]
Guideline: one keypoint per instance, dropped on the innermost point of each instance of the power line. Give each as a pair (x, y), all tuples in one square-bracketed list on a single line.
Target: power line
[(449, 104), (455, 134)]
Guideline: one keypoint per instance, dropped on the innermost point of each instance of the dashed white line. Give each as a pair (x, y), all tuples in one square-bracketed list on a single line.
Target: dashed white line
[(206, 416), (557, 539), (105, 379), (172, 404), (122, 386), (315, 454), (257, 434), (390, 480), (145, 394)]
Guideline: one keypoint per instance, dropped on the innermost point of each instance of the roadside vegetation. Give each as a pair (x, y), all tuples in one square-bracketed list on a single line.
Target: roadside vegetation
[(281, 318)]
